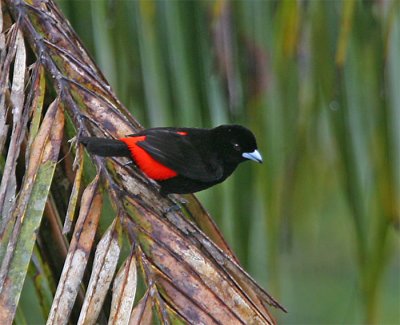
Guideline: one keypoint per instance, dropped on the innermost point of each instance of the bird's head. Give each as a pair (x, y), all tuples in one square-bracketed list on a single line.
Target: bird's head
[(236, 143)]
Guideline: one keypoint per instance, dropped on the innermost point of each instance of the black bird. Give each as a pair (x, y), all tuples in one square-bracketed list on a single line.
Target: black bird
[(182, 160)]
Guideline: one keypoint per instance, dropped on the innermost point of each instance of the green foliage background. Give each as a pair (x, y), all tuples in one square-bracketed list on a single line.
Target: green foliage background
[(319, 83)]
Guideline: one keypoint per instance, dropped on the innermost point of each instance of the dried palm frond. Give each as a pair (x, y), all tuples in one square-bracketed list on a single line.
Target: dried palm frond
[(190, 276)]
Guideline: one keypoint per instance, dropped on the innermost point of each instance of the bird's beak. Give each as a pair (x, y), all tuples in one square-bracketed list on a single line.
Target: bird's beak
[(255, 155)]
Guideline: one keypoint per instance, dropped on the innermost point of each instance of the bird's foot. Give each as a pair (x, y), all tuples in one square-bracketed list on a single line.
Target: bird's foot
[(178, 202), (129, 163)]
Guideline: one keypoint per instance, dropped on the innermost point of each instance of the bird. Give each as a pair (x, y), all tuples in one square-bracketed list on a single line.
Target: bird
[(182, 160)]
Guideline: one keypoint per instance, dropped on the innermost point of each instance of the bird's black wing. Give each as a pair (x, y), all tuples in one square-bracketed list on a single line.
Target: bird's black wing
[(177, 152)]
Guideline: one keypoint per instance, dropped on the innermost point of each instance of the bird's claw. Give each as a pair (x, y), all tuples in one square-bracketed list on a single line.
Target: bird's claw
[(178, 202)]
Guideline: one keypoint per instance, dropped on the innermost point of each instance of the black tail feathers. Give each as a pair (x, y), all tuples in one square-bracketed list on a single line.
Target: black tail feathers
[(105, 147)]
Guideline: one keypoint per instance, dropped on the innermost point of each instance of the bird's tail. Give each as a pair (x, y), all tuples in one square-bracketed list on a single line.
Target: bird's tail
[(105, 147)]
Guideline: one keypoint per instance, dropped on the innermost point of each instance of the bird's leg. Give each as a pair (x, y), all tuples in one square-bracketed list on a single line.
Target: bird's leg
[(178, 203), (129, 163), (179, 199)]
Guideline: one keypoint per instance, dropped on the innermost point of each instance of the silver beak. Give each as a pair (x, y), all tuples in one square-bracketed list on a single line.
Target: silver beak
[(255, 155)]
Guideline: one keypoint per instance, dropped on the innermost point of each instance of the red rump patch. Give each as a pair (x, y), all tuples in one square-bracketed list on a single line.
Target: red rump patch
[(151, 167), (182, 133)]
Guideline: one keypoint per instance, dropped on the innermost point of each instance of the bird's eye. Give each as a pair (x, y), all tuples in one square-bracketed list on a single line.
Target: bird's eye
[(237, 147)]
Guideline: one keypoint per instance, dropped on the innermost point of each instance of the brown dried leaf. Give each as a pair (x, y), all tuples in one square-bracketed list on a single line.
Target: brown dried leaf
[(205, 222), (104, 265), (7, 53), (37, 92), (2, 37), (142, 314), (210, 294), (41, 150), (29, 210), (8, 182), (78, 254), (194, 274), (69, 217), (124, 291), (201, 217)]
